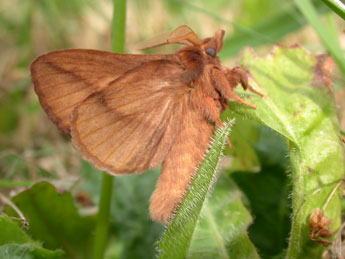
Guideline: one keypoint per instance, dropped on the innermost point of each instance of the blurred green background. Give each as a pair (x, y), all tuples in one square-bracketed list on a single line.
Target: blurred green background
[(31, 147)]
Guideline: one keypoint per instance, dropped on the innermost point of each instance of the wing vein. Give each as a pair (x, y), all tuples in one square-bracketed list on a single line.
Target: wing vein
[(62, 96), (59, 73), (144, 134), (107, 125), (105, 139), (64, 83), (124, 139), (148, 100), (65, 108)]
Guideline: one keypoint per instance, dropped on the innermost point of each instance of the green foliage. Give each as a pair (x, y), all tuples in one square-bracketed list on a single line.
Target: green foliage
[(27, 251), (130, 215), (10, 110), (271, 208), (306, 117), (134, 232), (330, 41), (222, 228), (269, 31), (54, 219), (16, 244), (243, 135), (337, 7)]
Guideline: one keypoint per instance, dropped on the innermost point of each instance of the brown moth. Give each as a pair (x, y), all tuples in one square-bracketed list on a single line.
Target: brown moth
[(128, 113)]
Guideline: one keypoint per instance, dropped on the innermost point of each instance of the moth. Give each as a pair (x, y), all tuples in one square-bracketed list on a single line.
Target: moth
[(128, 113)]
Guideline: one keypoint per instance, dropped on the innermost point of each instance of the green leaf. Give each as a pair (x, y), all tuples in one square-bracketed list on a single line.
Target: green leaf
[(222, 228), (271, 148), (243, 136), (9, 118), (54, 219), (180, 239), (271, 208), (298, 104), (27, 251), (11, 232), (16, 244)]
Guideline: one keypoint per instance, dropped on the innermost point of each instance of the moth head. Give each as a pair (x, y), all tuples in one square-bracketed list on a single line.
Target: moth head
[(212, 46)]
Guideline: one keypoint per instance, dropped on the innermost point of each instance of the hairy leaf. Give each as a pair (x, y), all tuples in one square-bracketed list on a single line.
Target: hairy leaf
[(16, 244), (298, 104), (222, 228), (183, 237), (55, 220)]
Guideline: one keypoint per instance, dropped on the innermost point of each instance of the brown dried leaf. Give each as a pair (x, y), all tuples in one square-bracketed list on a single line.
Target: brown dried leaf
[(319, 227)]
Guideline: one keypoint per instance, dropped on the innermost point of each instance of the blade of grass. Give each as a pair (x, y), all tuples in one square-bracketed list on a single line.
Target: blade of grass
[(11, 184), (276, 27), (239, 27), (337, 6), (331, 43), (117, 45), (331, 23), (119, 26)]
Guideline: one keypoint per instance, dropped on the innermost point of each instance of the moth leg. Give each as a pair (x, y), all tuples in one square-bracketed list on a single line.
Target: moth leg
[(239, 99), (211, 112), (225, 86), (238, 75)]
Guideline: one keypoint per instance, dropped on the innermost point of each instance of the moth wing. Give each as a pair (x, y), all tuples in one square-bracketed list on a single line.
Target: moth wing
[(183, 35), (180, 164), (63, 79), (130, 126)]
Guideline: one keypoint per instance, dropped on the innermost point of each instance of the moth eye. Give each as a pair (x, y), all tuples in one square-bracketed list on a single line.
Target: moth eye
[(211, 51)]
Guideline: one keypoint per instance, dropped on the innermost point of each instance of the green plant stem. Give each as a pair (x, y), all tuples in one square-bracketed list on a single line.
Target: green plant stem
[(337, 6), (117, 45), (103, 217), (119, 26)]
